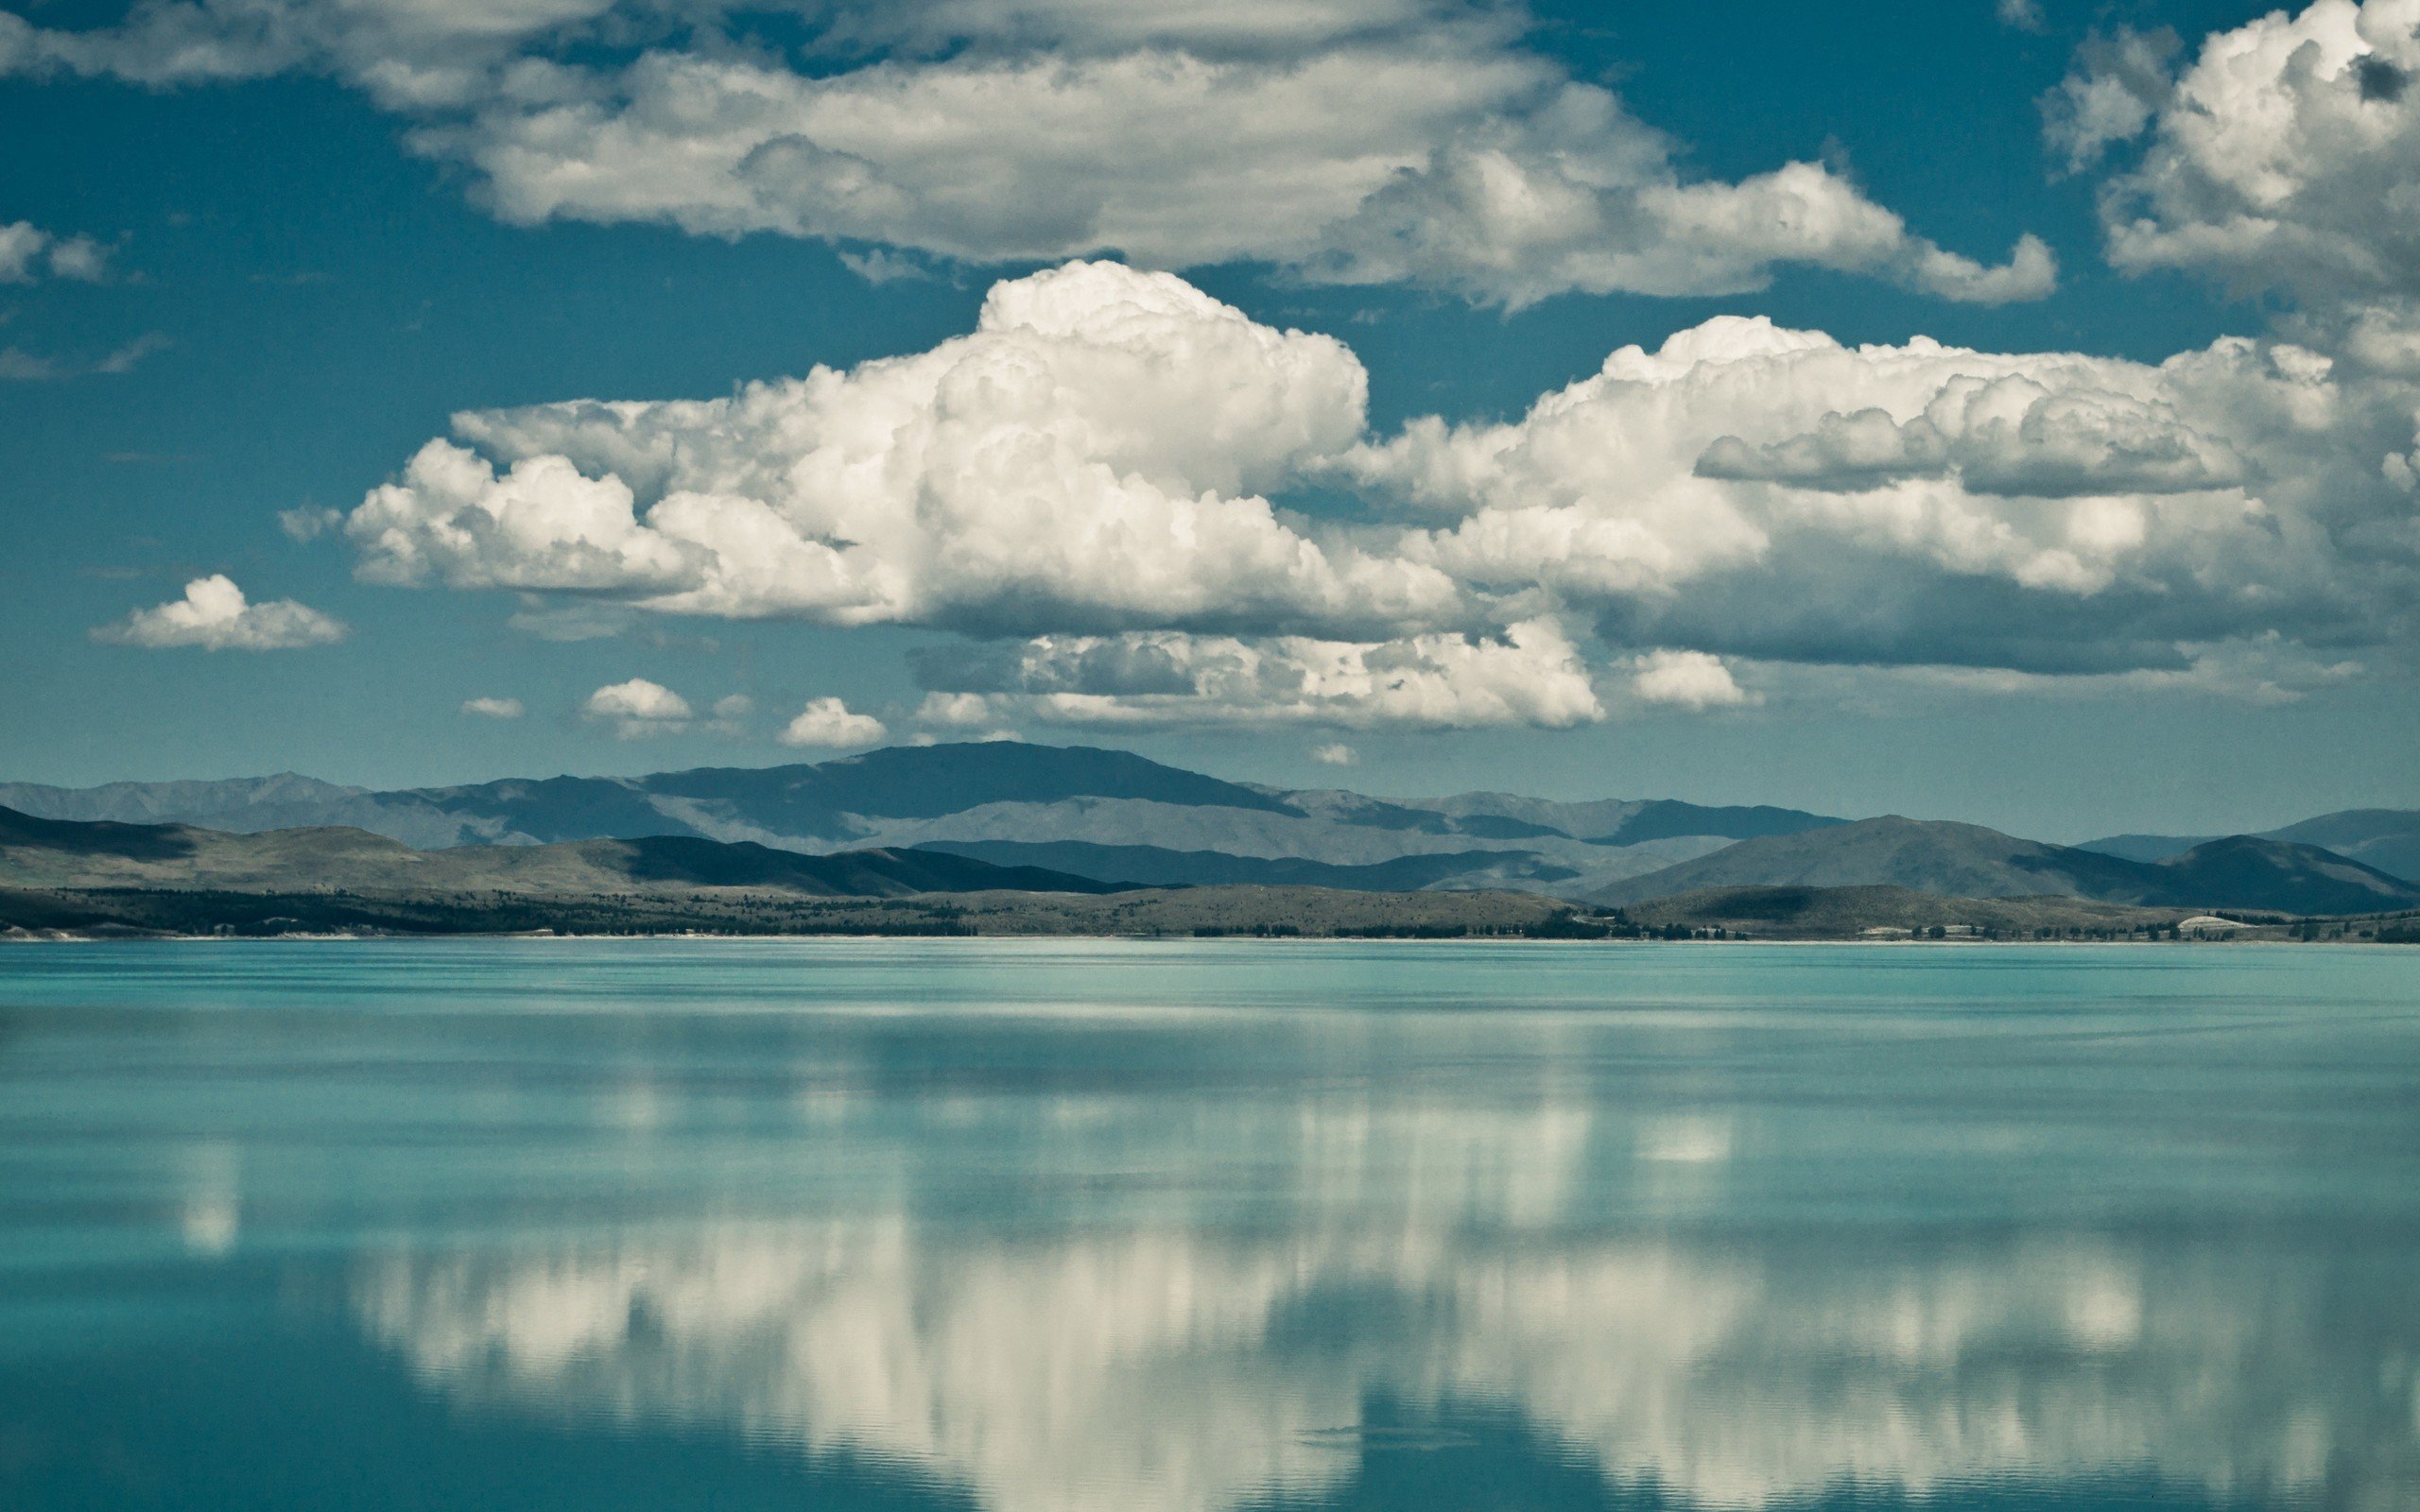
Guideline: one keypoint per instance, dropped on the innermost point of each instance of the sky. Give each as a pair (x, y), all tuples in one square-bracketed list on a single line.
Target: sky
[(2001, 411)]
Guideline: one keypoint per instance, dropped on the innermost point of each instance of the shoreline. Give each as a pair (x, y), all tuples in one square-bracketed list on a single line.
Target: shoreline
[(2249, 936), (1867, 916)]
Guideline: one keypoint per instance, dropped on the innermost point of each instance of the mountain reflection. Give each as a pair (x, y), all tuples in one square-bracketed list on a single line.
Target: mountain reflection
[(1434, 1260)]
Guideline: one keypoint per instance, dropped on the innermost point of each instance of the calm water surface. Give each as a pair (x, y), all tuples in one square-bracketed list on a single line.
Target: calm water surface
[(1119, 1227)]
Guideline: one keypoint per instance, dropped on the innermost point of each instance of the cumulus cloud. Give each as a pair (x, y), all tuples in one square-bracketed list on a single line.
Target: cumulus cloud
[(214, 615), (1685, 680), (1517, 224), (828, 722), (27, 252), (306, 523), (494, 708), (2283, 155), (1087, 457), (639, 708), (1335, 754), (2109, 96), (1773, 493), (1089, 487), (1532, 675), (2012, 435), (1417, 140)]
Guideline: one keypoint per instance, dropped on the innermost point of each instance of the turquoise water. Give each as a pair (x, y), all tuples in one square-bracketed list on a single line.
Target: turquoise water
[(1073, 1227)]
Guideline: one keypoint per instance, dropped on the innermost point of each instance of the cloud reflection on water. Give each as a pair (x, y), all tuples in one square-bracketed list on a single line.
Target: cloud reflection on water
[(1438, 1258)]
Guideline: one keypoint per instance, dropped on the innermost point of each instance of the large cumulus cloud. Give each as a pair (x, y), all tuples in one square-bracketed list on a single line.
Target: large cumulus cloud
[(1087, 457), (1775, 495), (2279, 156), (1353, 140), (1090, 490)]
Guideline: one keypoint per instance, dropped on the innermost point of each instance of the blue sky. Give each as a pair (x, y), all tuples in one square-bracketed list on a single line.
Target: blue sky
[(2019, 563)]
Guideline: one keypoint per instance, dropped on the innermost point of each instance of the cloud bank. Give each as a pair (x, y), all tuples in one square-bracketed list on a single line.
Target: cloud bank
[(1090, 489), (1361, 141)]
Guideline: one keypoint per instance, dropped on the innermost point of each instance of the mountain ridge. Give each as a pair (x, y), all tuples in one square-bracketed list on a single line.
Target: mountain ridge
[(76, 855), (2388, 839), (984, 794), (1114, 815), (1950, 859)]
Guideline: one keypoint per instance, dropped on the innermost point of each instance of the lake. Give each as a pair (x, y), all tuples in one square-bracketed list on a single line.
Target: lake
[(1101, 1227)]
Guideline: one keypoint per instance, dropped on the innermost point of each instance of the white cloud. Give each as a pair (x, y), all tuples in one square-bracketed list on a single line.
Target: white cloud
[(829, 722), (1424, 158), (1685, 680), (1532, 675), (125, 357), (2283, 155), (21, 243), (570, 619), (307, 523), (1085, 484), (1754, 491), (877, 267), (80, 258), (1335, 754), (731, 713), (26, 250), (638, 709), (1516, 225), (2012, 436), (2118, 81), (494, 708), (956, 711), (214, 616), (18, 364), (1360, 141), (2024, 15), (1086, 456)]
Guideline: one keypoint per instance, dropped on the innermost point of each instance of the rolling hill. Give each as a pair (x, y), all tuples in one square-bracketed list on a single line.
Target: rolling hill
[(1967, 860), (969, 798), (1114, 816), (2387, 839), (1157, 867), (56, 854)]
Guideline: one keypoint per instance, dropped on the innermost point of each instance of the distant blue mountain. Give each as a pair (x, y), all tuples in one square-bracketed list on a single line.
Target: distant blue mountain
[(1114, 817), (2388, 839), (1969, 860), (1156, 866), (1663, 818), (1131, 817)]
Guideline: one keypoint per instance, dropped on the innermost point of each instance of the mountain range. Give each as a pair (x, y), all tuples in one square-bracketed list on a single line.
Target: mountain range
[(1969, 860), (2388, 839), (1072, 818), (77, 854), (1130, 819)]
